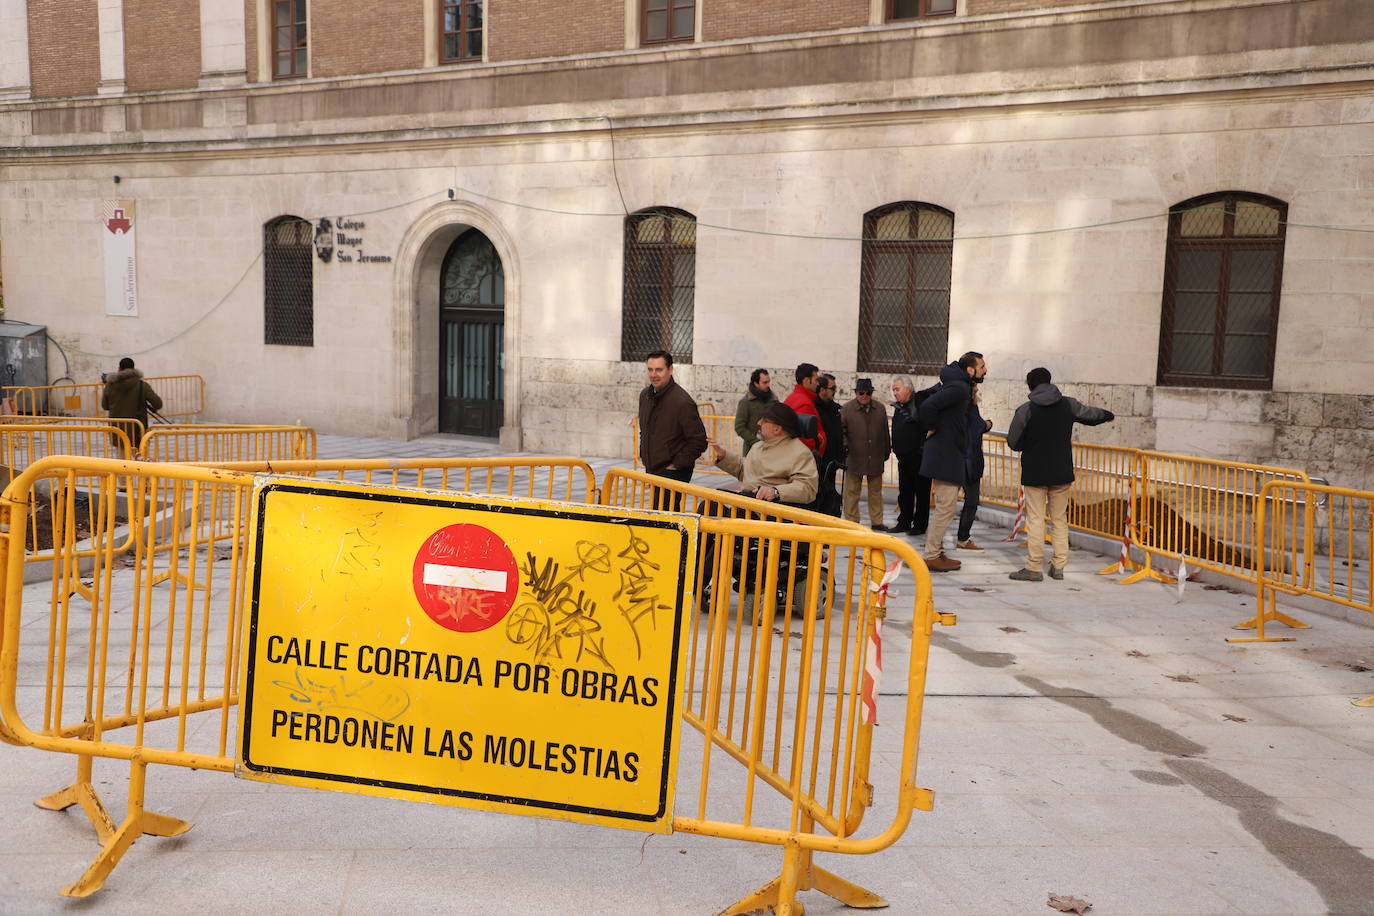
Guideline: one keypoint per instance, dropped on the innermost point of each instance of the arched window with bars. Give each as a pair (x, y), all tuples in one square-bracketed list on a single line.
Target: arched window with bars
[(1222, 276), (288, 287), (908, 254), (660, 284)]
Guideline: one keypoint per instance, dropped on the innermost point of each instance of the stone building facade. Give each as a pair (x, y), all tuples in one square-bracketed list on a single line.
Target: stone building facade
[(1053, 139)]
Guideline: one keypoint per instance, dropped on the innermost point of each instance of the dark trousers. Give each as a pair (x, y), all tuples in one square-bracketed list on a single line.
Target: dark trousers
[(971, 486), (913, 495), (668, 500)]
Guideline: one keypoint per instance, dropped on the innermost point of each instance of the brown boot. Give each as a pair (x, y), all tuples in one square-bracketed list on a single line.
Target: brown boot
[(942, 563)]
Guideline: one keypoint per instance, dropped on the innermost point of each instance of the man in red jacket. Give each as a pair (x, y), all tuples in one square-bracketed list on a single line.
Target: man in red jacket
[(803, 401)]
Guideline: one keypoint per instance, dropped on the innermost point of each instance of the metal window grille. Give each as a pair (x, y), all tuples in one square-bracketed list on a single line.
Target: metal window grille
[(462, 26), (290, 39), (1222, 277), (908, 251), (288, 282), (660, 284)]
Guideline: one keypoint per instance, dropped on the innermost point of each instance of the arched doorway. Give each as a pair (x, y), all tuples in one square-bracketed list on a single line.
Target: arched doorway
[(472, 318)]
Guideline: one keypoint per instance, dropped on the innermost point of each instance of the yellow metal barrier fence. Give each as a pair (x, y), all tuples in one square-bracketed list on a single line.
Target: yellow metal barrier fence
[(1313, 540), (182, 396), (127, 667), (132, 428), (153, 636), (1201, 512), (197, 444), (785, 700), (52, 514)]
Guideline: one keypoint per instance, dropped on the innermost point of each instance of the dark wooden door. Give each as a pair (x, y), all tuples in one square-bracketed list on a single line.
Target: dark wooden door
[(472, 321)]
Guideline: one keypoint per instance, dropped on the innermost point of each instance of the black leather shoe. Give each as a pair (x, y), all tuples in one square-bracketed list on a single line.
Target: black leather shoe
[(880, 528), (899, 529)]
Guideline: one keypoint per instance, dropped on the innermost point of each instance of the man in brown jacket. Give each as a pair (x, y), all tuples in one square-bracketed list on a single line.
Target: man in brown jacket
[(865, 430), (126, 395), (671, 434)]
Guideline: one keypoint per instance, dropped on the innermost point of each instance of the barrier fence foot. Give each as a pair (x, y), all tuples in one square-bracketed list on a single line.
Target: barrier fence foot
[(1274, 617), (846, 892), (1367, 701), (135, 824), (82, 792), (800, 874), (1145, 572)]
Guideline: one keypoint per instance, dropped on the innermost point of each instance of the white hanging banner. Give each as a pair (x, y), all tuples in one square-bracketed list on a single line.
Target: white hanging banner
[(121, 266)]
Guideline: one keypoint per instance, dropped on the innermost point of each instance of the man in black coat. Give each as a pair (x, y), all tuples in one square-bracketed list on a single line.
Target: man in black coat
[(945, 414), (908, 438), (1042, 431)]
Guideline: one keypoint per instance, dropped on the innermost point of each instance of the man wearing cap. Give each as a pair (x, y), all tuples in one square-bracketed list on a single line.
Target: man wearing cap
[(779, 468), (869, 443)]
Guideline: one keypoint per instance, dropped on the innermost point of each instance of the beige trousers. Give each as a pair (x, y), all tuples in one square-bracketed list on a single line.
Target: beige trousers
[(944, 497), (853, 483), (1038, 500)]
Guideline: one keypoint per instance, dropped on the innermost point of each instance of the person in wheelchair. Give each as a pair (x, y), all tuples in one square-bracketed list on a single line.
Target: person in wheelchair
[(779, 468)]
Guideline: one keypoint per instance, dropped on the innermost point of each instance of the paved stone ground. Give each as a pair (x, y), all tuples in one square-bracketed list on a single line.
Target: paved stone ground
[(1083, 738)]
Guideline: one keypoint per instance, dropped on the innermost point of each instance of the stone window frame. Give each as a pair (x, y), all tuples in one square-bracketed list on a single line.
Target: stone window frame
[(288, 282), (463, 9), (299, 53), (921, 255), (1225, 244), (923, 9), (650, 312)]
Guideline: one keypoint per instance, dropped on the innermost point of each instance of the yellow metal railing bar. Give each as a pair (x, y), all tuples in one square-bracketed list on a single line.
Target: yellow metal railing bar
[(182, 396)]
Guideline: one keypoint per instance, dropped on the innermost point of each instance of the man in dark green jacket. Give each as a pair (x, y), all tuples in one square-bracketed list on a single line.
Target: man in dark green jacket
[(752, 406), (129, 397)]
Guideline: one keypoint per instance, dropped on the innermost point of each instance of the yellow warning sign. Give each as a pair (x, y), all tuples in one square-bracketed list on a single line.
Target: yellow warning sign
[(503, 654)]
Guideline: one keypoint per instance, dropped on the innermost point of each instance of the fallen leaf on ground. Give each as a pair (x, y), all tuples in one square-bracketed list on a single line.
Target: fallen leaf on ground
[(971, 588), (1230, 718), (1011, 629), (1181, 678), (1136, 653), (1359, 668), (1069, 904)]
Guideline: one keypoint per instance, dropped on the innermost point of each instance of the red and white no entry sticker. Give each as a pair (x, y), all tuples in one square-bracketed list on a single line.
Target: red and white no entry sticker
[(465, 578)]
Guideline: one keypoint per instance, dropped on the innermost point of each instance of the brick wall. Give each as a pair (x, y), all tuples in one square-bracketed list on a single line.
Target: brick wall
[(64, 47), (348, 37), (548, 28), (746, 18), (161, 44)]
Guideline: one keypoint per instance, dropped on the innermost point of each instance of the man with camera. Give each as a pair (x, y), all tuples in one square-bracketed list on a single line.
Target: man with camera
[(127, 396)]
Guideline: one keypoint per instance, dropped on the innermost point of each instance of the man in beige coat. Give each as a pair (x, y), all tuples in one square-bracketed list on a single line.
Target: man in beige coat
[(779, 468), (870, 442)]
